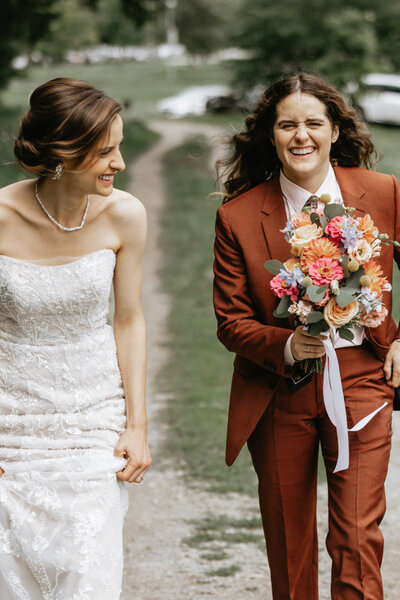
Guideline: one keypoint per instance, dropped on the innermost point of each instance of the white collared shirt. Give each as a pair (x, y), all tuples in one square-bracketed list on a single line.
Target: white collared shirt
[(294, 198)]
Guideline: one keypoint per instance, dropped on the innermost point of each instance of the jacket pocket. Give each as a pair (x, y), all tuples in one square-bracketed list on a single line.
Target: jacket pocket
[(247, 368)]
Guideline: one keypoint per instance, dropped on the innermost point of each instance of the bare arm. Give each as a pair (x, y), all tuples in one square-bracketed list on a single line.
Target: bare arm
[(130, 335)]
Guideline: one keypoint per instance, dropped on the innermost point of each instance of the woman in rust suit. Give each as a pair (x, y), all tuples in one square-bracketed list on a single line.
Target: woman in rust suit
[(303, 140)]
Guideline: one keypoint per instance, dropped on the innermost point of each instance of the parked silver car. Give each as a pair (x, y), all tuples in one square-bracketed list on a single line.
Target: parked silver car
[(191, 101), (379, 98)]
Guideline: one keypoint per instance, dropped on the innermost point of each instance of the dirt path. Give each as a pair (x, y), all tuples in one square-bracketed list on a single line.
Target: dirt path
[(158, 564)]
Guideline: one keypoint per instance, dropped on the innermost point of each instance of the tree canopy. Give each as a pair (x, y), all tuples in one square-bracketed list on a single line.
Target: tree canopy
[(341, 39), (337, 41), (24, 22)]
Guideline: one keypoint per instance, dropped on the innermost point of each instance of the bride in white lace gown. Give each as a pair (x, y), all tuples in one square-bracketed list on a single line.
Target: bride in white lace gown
[(72, 413)]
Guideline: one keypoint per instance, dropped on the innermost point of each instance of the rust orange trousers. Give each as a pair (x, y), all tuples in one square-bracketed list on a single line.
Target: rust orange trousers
[(284, 449)]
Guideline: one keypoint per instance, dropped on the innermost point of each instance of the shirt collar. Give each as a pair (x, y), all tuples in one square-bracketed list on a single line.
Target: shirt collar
[(298, 196)]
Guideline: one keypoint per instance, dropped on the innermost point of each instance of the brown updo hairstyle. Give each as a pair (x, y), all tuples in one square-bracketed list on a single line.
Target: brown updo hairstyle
[(254, 158), (66, 120)]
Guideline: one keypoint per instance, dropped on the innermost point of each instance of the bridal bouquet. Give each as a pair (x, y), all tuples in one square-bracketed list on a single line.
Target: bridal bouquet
[(333, 281)]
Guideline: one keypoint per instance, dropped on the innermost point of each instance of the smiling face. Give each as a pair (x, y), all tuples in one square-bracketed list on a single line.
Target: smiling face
[(303, 135), (97, 176)]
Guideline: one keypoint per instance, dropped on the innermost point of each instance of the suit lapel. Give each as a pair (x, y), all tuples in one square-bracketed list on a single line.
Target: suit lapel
[(273, 219), (352, 193)]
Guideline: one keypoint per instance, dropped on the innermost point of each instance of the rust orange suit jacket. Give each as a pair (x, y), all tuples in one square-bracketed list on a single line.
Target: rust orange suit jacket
[(247, 235)]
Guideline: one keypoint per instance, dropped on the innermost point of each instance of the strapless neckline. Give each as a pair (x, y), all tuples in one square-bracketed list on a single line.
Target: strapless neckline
[(74, 259)]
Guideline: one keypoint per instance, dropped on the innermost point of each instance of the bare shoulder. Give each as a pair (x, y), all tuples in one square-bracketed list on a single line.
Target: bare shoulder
[(15, 191), (124, 206), (128, 216), (14, 197)]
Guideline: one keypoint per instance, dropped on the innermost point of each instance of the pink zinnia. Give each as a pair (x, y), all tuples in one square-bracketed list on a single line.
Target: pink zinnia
[(324, 270), (280, 289), (333, 229)]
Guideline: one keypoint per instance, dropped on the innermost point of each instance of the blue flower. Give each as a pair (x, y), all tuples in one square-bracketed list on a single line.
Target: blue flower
[(369, 300), (350, 233), (288, 230), (293, 277)]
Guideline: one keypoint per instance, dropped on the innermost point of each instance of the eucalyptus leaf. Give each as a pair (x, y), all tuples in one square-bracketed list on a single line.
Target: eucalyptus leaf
[(317, 328), (316, 293), (274, 266), (281, 310), (344, 299), (346, 334), (322, 220), (352, 284), (333, 210), (314, 317)]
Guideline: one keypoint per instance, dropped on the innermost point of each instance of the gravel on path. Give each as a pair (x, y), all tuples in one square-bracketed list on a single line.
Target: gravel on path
[(163, 513)]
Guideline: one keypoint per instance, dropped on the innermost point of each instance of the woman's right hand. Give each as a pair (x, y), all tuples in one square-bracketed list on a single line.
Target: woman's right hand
[(1, 471), (303, 345)]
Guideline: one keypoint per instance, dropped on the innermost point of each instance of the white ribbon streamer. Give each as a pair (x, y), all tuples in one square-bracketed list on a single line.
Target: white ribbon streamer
[(335, 406)]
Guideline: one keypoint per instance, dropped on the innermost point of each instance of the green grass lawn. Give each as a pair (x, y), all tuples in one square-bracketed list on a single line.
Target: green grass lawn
[(200, 369), (387, 142), (9, 169), (139, 84)]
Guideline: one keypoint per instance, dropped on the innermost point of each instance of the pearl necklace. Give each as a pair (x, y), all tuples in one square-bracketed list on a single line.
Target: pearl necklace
[(42, 206)]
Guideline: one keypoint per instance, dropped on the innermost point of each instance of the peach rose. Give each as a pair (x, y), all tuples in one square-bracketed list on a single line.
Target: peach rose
[(361, 251), (303, 236), (337, 316), (291, 264), (301, 219)]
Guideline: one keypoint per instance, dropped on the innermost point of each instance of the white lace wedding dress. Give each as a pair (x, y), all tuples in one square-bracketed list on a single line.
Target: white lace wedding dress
[(62, 410)]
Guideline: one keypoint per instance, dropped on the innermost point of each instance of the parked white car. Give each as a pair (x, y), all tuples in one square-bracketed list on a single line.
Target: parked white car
[(192, 101), (380, 98)]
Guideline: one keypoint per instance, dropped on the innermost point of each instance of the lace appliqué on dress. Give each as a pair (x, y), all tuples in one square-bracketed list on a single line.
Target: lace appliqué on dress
[(62, 411)]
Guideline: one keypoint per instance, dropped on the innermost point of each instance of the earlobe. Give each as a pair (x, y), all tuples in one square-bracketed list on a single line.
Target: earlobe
[(335, 135)]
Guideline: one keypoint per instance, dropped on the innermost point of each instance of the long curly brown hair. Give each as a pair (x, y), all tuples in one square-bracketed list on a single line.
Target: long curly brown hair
[(254, 158)]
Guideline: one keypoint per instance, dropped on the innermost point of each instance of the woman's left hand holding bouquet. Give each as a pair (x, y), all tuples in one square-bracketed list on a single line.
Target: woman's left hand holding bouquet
[(303, 345)]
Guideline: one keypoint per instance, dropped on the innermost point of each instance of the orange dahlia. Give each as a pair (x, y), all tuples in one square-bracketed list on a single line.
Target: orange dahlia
[(366, 225), (319, 248), (374, 272)]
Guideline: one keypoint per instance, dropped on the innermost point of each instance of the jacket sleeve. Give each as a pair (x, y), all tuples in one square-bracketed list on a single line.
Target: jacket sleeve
[(239, 327)]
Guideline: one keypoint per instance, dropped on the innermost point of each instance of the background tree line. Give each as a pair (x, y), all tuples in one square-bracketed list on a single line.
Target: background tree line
[(342, 39)]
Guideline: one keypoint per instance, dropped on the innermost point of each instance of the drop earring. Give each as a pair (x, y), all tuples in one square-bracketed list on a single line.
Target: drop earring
[(58, 172)]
